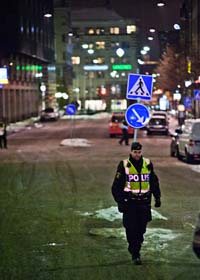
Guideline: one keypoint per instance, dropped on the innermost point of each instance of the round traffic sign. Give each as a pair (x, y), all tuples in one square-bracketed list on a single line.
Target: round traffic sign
[(71, 109), (137, 115)]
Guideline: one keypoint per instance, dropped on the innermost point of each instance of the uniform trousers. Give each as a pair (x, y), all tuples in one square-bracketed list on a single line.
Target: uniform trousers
[(135, 220)]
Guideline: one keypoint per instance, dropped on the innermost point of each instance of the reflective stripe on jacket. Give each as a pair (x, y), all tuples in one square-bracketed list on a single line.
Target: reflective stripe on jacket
[(137, 183)]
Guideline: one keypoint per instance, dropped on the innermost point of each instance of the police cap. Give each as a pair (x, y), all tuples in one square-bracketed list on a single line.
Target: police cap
[(136, 146)]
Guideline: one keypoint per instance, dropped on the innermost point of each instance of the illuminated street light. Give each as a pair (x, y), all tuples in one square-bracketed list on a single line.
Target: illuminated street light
[(85, 46), (47, 15), (150, 38), (152, 30), (141, 62), (143, 52), (70, 34), (146, 48), (177, 26), (90, 51), (43, 90), (160, 4), (120, 52)]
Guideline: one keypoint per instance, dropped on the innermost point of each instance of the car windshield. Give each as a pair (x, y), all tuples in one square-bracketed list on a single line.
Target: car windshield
[(196, 129), (157, 122), (117, 119), (49, 110)]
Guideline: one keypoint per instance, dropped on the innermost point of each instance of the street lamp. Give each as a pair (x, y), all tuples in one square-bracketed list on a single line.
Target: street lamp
[(48, 15), (43, 90), (160, 4), (120, 52)]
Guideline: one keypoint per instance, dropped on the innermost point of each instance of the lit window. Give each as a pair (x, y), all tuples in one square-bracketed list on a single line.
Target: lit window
[(75, 59), (130, 29), (114, 30), (112, 60), (99, 60), (100, 31), (90, 31), (85, 46), (100, 45), (114, 44)]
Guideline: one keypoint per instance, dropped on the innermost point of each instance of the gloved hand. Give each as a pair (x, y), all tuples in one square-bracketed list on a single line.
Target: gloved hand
[(157, 203), (122, 207)]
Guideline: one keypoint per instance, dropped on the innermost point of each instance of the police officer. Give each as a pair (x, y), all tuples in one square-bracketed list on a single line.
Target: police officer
[(3, 134), (196, 238), (134, 183)]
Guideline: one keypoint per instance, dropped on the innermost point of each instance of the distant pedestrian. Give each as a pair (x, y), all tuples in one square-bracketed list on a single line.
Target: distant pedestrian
[(3, 134), (196, 238), (124, 138), (134, 183), (181, 117)]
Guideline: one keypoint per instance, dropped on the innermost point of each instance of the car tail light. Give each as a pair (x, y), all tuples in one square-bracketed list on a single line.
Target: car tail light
[(191, 142)]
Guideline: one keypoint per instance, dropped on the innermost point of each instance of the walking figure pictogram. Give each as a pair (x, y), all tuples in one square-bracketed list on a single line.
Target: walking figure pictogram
[(140, 87)]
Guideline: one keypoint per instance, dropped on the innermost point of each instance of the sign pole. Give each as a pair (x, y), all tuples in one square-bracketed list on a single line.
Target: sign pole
[(138, 87), (136, 129), (71, 110), (135, 134)]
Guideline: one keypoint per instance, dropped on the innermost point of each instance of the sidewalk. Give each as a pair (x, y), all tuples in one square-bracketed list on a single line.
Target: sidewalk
[(22, 125)]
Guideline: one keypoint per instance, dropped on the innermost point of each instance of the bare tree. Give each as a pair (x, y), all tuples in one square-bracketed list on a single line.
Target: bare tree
[(172, 70)]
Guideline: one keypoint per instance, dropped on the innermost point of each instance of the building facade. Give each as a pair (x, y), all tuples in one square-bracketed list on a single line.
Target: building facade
[(26, 50), (190, 43), (104, 53), (63, 48)]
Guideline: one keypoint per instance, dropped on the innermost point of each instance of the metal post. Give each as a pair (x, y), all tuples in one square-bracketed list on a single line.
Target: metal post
[(135, 134), (136, 129), (72, 126)]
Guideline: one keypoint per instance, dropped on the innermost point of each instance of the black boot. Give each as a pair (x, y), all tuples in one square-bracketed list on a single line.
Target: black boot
[(137, 260)]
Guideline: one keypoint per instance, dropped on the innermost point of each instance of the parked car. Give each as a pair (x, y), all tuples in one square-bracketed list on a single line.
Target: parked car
[(157, 125), (161, 113), (115, 125), (185, 142), (49, 114)]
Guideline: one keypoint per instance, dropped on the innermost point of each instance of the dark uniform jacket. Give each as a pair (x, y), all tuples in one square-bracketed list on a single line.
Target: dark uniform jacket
[(196, 238), (124, 198)]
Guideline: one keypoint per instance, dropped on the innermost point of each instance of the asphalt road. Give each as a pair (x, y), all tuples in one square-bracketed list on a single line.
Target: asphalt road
[(58, 217)]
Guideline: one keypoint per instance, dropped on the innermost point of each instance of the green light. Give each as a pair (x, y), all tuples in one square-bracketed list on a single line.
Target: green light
[(121, 67), (29, 68)]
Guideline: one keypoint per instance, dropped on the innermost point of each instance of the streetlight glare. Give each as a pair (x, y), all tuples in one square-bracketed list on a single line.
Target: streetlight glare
[(120, 52), (47, 15), (90, 51), (143, 52), (146, 48), (160, 4), (177, 26)]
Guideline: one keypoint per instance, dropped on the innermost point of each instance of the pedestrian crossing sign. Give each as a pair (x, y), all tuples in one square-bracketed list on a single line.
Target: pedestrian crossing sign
[(196, 94), (139, 86)]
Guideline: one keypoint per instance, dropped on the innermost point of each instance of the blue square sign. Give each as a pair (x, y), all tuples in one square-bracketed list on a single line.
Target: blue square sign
[(139, 86)]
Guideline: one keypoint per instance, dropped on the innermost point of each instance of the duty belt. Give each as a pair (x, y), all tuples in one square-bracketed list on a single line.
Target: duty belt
[(140, 196)]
